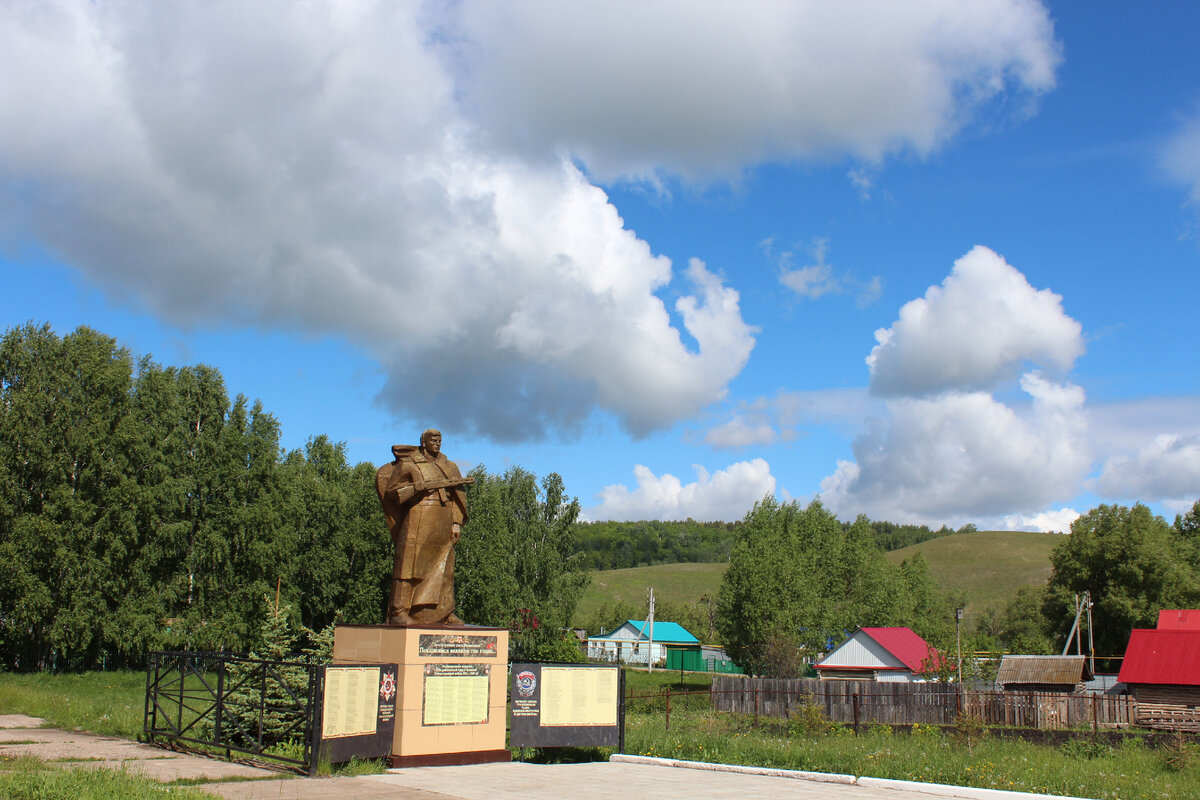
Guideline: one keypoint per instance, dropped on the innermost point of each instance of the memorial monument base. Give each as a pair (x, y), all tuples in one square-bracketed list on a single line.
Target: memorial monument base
[(451, 687)]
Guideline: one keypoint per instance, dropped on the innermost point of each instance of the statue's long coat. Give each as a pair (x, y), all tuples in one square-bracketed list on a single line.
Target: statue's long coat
[(421, 526)]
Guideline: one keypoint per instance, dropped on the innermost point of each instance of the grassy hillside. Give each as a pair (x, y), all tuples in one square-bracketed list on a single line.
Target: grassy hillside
[(987, 567), (679, 583)]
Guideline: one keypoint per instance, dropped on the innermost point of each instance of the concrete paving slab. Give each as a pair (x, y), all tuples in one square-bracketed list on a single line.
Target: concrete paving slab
[(20, 721), (31, 735), (322, 789), (516, 781), (79, 749)]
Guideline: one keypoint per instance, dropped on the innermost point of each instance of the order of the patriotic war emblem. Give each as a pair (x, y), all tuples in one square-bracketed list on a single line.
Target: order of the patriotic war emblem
[(387, 686), (526, 683)]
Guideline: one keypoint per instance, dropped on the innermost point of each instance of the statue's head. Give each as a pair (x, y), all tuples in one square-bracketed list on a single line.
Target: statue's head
[(431, 441)]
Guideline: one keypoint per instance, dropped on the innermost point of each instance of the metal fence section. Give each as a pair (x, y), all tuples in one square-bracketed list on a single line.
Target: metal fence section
[(861, 702), (222, 704), (695, 661)]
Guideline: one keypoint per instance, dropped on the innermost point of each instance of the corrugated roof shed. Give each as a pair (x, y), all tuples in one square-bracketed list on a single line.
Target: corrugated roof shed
[(904, 644), (1179, 619), (1162, 657), (1065, 670)]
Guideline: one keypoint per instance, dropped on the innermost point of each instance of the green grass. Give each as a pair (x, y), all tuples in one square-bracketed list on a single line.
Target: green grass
[(1129, 773), (1082, 768), (106, 703), (679, 583), (987, 567), (26, 778)]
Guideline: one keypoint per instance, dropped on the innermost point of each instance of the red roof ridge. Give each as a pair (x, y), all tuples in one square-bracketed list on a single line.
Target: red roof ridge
[(1162, 656), (904, 643)]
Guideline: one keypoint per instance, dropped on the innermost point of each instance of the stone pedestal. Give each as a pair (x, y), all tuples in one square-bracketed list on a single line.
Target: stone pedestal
[(451, 688)]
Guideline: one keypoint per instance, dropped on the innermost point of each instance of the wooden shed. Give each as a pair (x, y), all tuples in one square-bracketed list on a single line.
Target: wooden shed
[(1162, 670), (1043, 673)]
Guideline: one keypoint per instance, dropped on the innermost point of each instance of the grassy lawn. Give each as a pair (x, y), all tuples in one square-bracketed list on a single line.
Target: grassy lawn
[(26, 778), (107, 703), (1132, 772), (1082, 768)]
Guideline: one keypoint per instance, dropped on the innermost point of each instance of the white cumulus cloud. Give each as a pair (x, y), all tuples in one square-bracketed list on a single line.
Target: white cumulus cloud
[(738, 431), (726, 494), (637, 89), (408, 175), (964, 455), (1167, 468), (981, 327), (946, 450), (1058, 520)]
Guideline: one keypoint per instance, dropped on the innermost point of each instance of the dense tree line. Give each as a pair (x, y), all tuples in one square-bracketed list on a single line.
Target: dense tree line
[(893, 536), (620, 545), (141, 508)]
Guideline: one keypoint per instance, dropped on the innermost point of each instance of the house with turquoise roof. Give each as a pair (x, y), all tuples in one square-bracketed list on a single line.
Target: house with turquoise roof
[(636, 642)]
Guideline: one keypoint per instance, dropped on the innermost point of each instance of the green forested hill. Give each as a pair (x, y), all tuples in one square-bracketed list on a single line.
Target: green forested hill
[(986, 566), (611, 545)]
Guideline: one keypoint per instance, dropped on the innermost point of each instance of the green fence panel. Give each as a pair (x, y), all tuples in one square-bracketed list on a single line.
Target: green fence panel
[(690, 660)]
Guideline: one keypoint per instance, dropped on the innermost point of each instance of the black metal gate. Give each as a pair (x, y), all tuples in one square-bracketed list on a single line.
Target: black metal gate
[(220, 704)]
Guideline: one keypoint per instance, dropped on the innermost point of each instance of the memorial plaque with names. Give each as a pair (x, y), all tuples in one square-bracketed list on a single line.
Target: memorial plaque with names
[(456, 694), (358, 711), (566, 705)]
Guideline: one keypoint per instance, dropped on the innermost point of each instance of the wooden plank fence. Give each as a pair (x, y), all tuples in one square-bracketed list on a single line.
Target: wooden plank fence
[(861, 702)]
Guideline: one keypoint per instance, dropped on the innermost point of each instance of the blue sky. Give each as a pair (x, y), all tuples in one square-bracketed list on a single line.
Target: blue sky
[(935, 262)]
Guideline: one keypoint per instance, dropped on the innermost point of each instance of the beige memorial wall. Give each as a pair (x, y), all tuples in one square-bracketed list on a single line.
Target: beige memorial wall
[(451, 688)]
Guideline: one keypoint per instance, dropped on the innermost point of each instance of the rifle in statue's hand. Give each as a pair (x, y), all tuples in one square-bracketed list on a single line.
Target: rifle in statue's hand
[(448, 483), (407, 491)]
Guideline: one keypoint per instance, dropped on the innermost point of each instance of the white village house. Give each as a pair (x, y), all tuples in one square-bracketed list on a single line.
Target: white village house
[(886, 655), (630, 643)]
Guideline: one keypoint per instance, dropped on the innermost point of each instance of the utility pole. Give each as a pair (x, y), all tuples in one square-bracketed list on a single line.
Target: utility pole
[(1073, 633), (650, 625), (1087, 600), (958, 615)]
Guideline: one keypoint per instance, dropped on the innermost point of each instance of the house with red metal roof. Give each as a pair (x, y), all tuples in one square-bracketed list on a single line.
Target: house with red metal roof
[(1179, 619), (1162, 670), (890, 655)]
